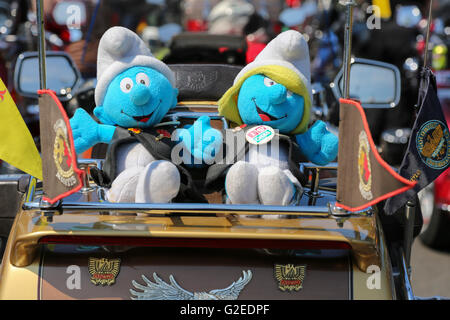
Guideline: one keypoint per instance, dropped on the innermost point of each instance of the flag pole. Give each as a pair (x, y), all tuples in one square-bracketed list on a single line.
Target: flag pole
[(42, 72), (41, 36), (410, 209), (427, 39), (349, 4)]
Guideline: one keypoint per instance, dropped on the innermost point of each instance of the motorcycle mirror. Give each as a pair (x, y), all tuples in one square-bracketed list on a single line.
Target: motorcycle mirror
[(63, 76), (375, 84)]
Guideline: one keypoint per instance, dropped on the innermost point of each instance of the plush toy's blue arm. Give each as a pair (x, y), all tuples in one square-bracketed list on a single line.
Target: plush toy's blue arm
[(318, 144), (87, 132), (202, 141)]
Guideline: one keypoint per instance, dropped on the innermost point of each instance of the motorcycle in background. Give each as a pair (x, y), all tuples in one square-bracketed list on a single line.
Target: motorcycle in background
[(437, 233)]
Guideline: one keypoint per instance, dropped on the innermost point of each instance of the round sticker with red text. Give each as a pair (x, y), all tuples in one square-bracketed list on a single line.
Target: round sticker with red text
[(260, 135)]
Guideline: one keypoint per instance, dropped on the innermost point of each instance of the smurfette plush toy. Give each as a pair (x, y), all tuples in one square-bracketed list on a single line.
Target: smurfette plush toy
[(270, 101), (134, 92)]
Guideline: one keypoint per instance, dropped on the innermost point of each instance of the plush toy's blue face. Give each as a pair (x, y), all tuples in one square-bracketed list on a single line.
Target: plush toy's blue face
[(137, 97), (264, 101)]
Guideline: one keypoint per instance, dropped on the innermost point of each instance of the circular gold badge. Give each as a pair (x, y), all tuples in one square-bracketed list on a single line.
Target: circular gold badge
[(62, 155)]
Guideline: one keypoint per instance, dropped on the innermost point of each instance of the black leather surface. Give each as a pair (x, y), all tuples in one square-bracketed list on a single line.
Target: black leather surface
[(197, 82)]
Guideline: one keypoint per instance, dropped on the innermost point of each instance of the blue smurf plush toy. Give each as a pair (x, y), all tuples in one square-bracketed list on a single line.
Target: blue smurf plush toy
[(134, 92), (273, 94)]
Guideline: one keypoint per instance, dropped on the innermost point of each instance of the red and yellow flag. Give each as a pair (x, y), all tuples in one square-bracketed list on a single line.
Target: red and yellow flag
[(364, 178), (17, 146)]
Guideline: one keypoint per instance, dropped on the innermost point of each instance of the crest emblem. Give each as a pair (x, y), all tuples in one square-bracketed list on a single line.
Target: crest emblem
[(104, 271), (433, 144), (290, 277), (161, 290), (62, 155), (364, 167), (135, 130)]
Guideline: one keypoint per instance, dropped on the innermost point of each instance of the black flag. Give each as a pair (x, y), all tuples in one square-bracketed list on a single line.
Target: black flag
[(428, 153)]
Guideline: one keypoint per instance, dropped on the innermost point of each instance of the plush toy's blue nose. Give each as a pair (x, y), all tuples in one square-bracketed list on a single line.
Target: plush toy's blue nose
[(140, 95), (277, 94)]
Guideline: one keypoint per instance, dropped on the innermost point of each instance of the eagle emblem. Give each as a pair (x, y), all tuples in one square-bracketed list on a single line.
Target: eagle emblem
[(433, 144), (198, 81), (290, 277), (161, 290), (104, 271)]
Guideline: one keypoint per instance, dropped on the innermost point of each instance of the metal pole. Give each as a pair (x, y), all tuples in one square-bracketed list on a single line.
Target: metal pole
[(348, 45), (409, 230), (427, 39), (41, 37)]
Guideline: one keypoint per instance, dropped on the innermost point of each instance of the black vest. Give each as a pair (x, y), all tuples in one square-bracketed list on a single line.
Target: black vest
[(157, 141), (215, 177)]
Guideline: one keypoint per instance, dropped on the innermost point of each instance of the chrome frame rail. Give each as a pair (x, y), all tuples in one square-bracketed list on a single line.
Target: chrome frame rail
[(163, 208)]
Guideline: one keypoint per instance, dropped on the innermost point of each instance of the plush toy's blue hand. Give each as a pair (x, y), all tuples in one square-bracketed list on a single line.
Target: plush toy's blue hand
[(318, 144), (87, 132), (202, 141)]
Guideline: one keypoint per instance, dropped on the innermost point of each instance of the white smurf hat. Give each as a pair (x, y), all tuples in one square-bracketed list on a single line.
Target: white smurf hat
[(121, 49)]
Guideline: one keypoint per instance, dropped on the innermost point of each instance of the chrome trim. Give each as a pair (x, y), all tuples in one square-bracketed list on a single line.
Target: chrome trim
[(186, 207), (91, 162)]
